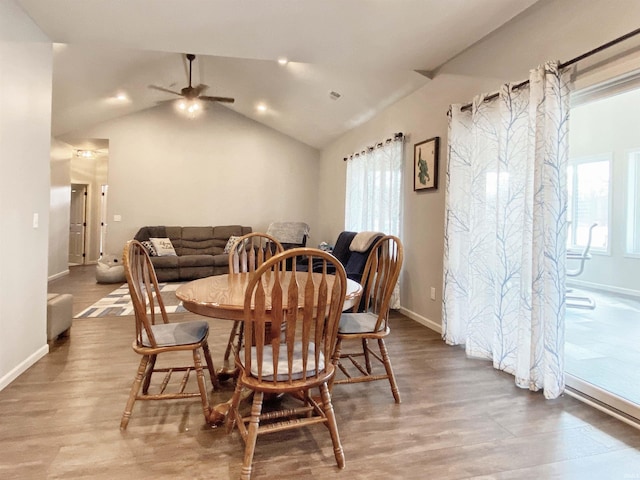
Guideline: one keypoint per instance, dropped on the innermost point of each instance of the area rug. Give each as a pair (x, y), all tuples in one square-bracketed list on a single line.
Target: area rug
[(118, 303)]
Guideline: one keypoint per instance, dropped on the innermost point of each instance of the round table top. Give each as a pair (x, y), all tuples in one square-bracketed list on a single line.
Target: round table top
[(222, 296)]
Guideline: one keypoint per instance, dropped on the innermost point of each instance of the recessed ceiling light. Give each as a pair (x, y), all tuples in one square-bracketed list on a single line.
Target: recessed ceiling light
[(261, 107), (283, 61), (118, 99)]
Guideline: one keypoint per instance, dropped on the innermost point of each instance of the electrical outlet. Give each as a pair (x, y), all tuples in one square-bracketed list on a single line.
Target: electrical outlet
[(433, 293)]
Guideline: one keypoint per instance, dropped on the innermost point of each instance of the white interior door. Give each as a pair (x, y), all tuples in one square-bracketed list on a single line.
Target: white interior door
[(78, 224)]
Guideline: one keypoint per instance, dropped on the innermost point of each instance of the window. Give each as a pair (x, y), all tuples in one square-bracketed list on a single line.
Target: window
[(633, 205), (588, 181), (374, 189)]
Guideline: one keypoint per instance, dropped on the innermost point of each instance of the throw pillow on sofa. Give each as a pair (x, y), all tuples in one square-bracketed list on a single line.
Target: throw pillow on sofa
[(230, 242), (163, 247), (150, 249)]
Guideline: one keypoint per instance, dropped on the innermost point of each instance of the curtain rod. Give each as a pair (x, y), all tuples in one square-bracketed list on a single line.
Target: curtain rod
[(566, 64), (396, 136)]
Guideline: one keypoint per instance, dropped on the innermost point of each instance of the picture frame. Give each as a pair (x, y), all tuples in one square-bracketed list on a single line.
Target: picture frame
[(425, 164)]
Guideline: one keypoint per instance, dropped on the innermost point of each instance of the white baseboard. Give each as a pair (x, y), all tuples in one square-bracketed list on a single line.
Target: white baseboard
[(59, 275), (22, 367), (436, 327), (606, 288)]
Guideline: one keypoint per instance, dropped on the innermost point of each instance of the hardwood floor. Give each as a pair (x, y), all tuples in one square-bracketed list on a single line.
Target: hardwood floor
[(460, 419), (601, 343)]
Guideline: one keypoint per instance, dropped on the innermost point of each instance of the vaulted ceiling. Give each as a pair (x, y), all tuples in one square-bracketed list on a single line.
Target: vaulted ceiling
[(371, 52)]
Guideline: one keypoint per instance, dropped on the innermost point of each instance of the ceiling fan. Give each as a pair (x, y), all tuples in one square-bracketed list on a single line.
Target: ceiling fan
[(193, 93)]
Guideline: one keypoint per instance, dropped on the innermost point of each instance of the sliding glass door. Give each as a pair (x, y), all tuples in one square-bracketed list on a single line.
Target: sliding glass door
[(603, 270)]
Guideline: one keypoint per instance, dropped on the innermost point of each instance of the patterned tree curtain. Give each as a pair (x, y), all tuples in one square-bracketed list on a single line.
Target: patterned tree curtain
[(374, 192), (506, 227)]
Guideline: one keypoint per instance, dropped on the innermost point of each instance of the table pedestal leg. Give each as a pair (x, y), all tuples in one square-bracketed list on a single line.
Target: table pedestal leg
[(220, 411), (226, 372)]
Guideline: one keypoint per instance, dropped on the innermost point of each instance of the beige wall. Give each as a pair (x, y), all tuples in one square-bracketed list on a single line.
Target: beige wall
[(219, 169), (559, 29), (25, 129)]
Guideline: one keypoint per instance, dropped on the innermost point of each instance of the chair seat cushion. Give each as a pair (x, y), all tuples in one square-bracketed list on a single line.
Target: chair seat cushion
[(358, 323), (182, 333), (283, 369)]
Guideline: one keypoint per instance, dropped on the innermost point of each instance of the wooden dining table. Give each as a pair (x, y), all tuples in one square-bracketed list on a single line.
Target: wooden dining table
[(222, 297)]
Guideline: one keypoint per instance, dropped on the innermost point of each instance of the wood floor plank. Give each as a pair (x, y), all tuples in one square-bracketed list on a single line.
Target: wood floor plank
[(460, 419)]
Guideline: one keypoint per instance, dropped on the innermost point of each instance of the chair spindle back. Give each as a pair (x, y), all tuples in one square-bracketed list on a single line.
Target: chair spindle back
[(143, 287)]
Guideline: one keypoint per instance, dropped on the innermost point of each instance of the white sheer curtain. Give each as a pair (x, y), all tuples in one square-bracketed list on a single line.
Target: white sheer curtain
[(374, 189), (374, 192), (505, 229)]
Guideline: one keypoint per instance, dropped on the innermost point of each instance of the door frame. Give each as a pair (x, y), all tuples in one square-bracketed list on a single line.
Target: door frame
[(85, 187)]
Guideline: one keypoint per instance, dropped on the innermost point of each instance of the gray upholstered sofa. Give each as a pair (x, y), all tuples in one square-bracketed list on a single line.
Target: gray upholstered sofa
[(199, 250)]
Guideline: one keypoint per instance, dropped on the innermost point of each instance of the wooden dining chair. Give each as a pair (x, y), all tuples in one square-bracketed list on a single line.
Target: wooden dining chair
[(155, 335), (247, 254), (369, 319), (304, 309)]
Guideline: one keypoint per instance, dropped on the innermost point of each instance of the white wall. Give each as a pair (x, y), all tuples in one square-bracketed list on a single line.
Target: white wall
[(550, 30), (25, 129), (220, 169)]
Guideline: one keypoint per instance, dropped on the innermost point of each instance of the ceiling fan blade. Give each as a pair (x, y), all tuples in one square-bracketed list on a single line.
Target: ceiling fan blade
[(201, 88), (190, 92), (162, 89), (217, 99)]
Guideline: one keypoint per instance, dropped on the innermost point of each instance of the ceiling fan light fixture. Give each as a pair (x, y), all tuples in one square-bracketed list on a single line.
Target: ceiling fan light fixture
[(192, 98), (86, 153), (191, 108)]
